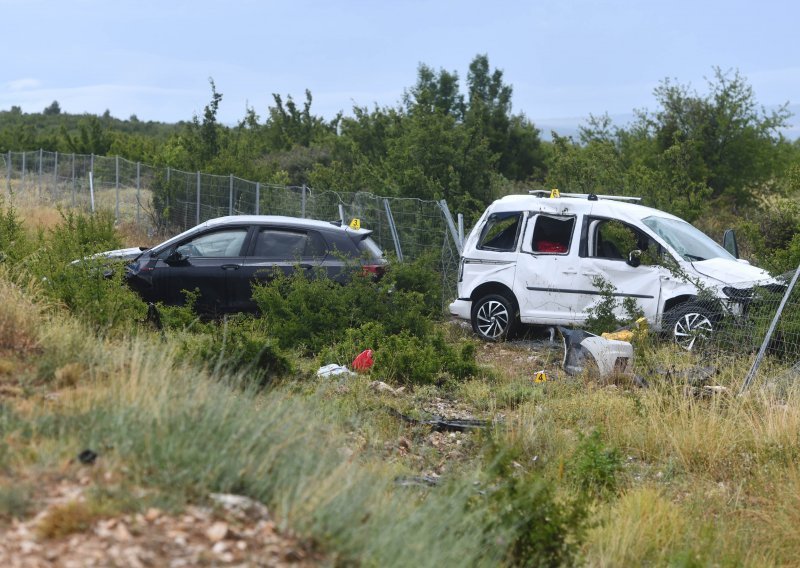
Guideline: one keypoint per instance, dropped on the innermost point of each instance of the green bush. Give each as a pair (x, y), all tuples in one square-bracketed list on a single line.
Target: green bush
[(313, 313), (594, 467), (604, 315), (237, 344), (92, 288), (539, 528)]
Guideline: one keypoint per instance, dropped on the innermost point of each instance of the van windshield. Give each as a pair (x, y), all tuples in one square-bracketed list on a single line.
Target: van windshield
[(688, 241)]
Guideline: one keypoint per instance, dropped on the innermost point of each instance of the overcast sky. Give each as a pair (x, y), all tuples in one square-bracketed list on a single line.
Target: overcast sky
[(565, 59)]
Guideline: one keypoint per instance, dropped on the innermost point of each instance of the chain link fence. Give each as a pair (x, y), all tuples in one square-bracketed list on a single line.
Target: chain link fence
[(752, 330), (166, 201)]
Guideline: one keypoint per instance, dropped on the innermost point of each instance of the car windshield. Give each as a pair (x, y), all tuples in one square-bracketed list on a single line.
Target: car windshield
[(688, 241)]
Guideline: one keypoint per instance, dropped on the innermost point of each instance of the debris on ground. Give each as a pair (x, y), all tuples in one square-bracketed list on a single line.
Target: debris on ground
[(334, 370), (363, 361), (441, 424), (583, 350)]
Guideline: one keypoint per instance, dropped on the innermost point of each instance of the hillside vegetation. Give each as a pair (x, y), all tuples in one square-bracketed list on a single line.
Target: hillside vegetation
[(570, 471), (714, 157)]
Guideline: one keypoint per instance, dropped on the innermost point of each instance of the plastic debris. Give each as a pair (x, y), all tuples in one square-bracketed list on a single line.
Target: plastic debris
[(334, 370), (363, 361), (637, 330), (582, 348)]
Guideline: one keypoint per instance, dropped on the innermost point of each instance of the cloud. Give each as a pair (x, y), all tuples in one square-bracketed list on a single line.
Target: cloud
[(148, 102), (25, 84)]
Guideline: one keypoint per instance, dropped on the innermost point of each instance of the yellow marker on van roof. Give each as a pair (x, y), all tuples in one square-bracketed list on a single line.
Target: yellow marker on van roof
[(355, 224), (554, 193)]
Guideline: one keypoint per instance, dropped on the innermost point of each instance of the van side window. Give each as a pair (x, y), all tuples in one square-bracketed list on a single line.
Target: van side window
[(501, 232), (615, 240), (552, 235)]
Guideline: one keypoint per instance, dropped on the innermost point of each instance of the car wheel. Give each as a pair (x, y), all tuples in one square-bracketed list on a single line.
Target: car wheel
[(494, 317), (691, 325)]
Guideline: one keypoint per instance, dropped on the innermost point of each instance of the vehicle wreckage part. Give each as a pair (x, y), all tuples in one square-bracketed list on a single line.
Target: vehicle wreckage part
[(494, 317), (582, 348), (444, 424)]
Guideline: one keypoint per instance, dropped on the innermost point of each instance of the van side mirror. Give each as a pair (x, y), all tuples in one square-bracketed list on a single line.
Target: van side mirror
[(634, 258), (729, 243)]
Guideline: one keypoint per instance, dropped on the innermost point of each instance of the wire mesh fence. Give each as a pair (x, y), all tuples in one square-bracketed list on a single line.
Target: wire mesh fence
[(165, 201), (742, 323)]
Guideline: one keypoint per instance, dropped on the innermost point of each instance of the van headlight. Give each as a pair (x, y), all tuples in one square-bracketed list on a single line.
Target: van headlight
[(738, 294)]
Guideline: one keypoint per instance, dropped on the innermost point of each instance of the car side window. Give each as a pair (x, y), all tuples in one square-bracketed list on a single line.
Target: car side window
[(501, 232), (615, 240), (552, 235), (281, 244), (219, 244)]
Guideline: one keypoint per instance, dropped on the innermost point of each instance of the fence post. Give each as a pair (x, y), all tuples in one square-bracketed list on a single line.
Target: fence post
[(91, 178), (116, 187), (258, 196), (55, 176), (91, 188), (41, 152), (230, 196), (74, 188), (341, 213), (22, 182), (138, 187), (197, 207), (461, 229), (450, 224), (8, 172), (303, 203), (764, 344), (393, 230)]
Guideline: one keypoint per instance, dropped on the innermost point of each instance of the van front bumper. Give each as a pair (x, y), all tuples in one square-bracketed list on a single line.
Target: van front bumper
[(462, 308)]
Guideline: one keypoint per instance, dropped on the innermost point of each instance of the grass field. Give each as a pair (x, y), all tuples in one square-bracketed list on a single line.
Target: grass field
[(571, 471)]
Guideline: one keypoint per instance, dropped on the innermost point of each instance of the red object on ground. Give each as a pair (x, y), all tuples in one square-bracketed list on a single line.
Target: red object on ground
[(363, 361)]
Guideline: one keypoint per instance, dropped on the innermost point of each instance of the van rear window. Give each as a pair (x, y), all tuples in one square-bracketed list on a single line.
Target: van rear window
[(501, 232)]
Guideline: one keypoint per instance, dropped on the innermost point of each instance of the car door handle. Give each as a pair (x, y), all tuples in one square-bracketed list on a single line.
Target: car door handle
[(306, 266), (570, 272), (230, 267)]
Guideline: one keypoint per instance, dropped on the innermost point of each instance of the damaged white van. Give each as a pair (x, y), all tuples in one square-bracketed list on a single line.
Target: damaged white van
[(537, 258)]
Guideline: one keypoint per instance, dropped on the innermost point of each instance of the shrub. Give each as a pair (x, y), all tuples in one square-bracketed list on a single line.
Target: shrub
[(238, 344), (92, 288), (595, 467), (540, 529)]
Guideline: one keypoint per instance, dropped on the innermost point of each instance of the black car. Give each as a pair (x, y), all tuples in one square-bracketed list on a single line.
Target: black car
[(223, 257)]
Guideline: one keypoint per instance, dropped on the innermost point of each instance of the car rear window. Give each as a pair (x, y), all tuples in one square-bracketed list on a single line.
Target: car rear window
[(288, 245)]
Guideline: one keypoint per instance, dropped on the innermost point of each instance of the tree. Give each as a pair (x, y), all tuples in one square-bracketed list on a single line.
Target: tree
[(730, 140), (53, 109)]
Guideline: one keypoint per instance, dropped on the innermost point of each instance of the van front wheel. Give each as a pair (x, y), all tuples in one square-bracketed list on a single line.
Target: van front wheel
[(691, 324), (494, 317)]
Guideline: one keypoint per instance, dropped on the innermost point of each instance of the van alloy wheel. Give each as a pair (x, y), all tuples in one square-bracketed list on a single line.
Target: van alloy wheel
[(691, 325), (493, 317)]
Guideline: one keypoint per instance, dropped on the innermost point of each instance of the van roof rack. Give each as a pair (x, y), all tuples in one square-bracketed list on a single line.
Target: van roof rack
[(589, 196)]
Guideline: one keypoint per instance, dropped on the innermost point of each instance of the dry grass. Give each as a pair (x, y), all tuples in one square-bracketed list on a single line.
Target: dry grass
[(20, 315)]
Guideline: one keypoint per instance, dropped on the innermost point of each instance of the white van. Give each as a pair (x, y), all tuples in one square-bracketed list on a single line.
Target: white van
[(536, 259)]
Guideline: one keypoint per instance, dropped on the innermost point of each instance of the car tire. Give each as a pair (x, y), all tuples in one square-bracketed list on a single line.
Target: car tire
[(494, 317), (691, 324)]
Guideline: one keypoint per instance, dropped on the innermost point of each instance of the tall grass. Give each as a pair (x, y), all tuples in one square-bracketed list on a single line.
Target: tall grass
[(186, 435)]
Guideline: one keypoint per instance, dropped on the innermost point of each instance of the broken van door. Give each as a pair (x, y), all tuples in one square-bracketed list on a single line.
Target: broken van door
[(626, 258), (547, 268)]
